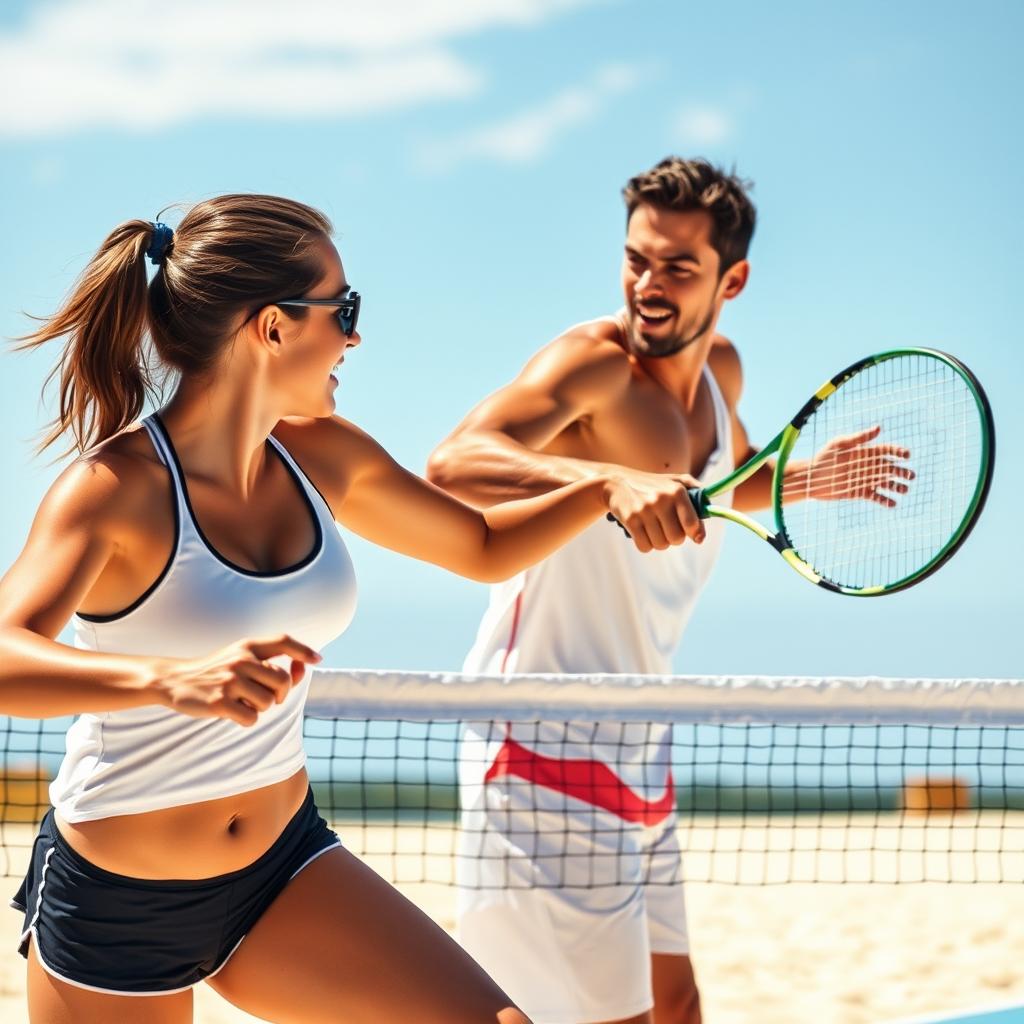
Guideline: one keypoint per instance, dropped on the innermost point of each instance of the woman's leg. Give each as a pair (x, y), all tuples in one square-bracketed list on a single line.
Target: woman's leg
[(52, 1001), (340, 943)]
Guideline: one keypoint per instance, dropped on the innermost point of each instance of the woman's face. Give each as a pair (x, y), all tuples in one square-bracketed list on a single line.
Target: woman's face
[(313, 347)]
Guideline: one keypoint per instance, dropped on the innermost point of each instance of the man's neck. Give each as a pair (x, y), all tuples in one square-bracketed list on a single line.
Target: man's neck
[(678, 374)]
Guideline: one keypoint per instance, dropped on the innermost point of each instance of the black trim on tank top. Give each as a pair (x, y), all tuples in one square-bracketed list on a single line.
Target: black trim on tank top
[(305, 476), (318, 542), (114, 616)]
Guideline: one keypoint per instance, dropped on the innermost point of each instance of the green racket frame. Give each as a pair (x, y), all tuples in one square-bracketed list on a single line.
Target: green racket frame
[(782, 445)]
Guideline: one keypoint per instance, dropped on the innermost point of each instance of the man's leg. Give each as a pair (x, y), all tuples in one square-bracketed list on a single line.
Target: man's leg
[(676, 1000)]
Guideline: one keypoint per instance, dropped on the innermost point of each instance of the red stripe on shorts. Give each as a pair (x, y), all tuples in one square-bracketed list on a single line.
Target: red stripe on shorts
[(590, 781)]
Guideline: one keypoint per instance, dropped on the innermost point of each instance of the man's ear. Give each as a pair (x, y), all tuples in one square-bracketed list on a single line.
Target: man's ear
[(735, 279)]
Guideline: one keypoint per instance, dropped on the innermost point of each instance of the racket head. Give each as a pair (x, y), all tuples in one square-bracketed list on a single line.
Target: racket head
[(924, 401)]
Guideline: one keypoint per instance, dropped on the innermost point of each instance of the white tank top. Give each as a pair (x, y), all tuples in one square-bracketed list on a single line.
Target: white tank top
[(595, 605), (145, 759)]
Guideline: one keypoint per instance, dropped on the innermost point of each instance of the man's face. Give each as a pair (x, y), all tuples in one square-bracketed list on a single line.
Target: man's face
[(670, 276)]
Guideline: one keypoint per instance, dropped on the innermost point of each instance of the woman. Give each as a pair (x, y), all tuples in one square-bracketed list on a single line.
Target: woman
[(196, 556)]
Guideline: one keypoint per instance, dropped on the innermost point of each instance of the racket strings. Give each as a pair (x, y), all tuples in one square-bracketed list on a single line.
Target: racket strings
[(869, 546), (842, 471), (836, 512)]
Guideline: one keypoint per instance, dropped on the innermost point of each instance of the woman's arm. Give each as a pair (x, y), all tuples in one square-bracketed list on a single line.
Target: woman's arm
[(76, 532), (375, 497), (68, 547)]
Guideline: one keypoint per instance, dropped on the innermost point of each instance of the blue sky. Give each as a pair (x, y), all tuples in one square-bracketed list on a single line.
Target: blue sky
[(471, 156)]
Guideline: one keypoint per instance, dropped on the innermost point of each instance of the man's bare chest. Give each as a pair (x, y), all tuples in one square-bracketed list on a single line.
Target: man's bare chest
[(647, 429)]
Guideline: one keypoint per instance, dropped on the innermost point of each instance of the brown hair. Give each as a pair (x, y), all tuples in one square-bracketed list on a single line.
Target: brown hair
[(678, 184), (230, 255)]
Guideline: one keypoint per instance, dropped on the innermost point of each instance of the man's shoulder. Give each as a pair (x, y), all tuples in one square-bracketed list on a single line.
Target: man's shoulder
[(590, 352)]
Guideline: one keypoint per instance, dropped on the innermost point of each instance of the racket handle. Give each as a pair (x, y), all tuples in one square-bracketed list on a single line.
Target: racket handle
[(696, 496), (699, 500)]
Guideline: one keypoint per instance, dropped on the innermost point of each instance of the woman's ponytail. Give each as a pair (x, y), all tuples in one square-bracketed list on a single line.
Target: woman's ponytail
[(103, 371), (229, 256)]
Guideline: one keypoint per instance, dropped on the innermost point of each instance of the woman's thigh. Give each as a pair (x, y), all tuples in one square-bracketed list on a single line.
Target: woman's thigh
[(52, 1001), (340, 943)]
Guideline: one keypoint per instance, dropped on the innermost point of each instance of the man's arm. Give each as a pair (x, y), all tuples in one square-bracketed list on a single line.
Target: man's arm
[(496, 453), (756, 492)]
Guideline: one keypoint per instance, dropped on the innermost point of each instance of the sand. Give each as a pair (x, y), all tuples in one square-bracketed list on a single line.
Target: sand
[(784, 954)]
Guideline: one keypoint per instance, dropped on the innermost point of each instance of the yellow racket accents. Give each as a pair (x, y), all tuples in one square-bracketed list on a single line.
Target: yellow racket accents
[(901, 447), (800, 565)]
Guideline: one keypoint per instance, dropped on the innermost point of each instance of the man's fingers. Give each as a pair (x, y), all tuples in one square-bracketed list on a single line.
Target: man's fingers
[(895, 450), (849, 440), (693, 525), (896, 486)]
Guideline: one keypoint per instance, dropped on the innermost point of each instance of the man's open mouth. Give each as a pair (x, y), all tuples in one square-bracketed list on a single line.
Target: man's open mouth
[(653, 316)]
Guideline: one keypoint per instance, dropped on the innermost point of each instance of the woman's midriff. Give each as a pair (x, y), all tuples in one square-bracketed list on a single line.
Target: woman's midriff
[(192, 841)]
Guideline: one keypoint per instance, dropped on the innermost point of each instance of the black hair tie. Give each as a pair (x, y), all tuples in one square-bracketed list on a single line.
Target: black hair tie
[(161, 241)]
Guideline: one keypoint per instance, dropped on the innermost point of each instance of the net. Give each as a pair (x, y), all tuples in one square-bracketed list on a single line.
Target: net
[(604, 781)]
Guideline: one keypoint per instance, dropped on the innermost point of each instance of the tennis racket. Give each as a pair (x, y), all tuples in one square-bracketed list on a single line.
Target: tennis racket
[(879, 478)]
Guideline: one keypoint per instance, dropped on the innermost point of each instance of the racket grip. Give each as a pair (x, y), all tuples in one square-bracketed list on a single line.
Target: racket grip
[(699, 500), (696, 496)]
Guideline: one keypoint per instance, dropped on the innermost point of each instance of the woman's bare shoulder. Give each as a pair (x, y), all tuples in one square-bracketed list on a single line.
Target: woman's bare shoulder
[(111, 484), (332, 452)]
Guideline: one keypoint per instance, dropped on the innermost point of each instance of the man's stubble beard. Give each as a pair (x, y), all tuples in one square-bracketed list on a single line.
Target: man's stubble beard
[(662, 348)]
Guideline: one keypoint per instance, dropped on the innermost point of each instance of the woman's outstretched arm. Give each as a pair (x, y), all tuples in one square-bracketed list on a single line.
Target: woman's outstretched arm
[(377, 498)]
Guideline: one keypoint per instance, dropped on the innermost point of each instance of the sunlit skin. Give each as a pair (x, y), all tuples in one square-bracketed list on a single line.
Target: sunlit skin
[(631, 402), (337, 936)]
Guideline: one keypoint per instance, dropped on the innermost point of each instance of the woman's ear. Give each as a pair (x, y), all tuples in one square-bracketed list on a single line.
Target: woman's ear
[(266, 329)]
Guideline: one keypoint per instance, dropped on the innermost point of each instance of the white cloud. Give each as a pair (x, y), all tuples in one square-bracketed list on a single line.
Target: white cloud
[(703, 126), (142, 64), (525, 137)]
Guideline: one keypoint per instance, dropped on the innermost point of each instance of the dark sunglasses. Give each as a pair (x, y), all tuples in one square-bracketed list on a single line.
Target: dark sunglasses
[(348, 309)]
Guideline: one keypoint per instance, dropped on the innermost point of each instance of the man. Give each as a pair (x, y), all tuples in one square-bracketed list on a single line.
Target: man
[(648, 394)]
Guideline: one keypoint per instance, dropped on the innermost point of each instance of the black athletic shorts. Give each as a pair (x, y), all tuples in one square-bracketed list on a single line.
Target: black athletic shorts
[(131, 936)]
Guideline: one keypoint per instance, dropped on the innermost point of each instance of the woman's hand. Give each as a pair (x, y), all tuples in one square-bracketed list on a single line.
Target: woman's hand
[(654, 508), (236, 682)]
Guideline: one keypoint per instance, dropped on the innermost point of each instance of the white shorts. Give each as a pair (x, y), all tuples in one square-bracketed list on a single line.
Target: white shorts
[(570, 955)]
